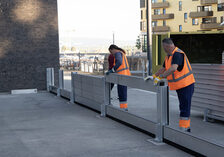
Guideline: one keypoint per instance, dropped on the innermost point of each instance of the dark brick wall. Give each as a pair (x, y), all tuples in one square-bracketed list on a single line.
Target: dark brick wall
[(28, 43)]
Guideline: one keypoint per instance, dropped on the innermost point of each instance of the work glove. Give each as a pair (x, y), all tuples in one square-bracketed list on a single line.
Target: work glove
[(109, 71), (156, 80)]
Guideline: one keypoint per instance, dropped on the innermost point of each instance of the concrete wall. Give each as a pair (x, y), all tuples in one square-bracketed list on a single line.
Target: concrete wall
[(28, 43)]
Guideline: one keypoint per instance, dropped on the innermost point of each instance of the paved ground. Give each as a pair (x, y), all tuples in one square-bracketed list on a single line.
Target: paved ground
[(143, 104), (43, 125)]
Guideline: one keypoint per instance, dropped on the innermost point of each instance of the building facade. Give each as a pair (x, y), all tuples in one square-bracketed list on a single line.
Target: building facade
[(29, 43), (176, 16)]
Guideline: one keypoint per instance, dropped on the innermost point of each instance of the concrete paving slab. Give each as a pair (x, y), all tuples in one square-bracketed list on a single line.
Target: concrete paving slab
[(44, 125)]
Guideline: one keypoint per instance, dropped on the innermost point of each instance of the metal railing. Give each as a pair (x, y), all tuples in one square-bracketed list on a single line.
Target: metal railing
[(94, 92)]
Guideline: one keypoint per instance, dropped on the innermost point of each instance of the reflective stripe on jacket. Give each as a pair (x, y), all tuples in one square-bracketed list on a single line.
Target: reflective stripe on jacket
[(124, 67), (179, 79)]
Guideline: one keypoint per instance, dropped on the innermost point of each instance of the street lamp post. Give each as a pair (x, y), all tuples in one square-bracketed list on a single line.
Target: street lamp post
[(149, 35)]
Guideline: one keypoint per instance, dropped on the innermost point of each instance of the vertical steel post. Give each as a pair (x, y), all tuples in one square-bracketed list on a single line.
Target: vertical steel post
[(52, 76), (48, 79), (162, 111), (61, 82), (72, 96), (106, 96)]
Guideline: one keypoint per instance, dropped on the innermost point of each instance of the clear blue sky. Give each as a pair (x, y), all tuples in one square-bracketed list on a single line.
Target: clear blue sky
[(99, 18)]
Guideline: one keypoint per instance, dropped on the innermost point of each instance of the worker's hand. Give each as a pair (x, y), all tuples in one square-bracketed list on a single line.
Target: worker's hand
[(109, 71), (154, 76), (156, 80)]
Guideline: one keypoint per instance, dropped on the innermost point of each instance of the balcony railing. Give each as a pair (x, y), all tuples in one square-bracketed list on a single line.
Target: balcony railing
[(161, 29), (206, 2), (201, 14), (163, 16), (160, 5), (211, 26)]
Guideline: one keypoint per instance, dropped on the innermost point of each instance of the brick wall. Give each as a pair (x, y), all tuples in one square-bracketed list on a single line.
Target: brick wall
[(28, 43)]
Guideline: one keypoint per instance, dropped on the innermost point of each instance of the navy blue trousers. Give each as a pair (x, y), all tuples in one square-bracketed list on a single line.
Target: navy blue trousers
[(184, 95), (122, 93)]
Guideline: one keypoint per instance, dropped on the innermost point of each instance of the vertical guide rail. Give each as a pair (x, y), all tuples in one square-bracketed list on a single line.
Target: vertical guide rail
[(50, 78), (106, 95), (61, 82), (72, 96), (162, 111)]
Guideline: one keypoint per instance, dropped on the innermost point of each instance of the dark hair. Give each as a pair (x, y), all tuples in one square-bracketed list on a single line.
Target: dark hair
[(116, 47), (168, 41)]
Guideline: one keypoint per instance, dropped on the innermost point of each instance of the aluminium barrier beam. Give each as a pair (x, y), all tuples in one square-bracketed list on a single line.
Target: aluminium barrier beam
[(50, 78), (60, 82)]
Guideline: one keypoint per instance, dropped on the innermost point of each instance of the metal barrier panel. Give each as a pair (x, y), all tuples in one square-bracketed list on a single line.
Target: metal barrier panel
[(50, 78), (209, 90), (89, 90)]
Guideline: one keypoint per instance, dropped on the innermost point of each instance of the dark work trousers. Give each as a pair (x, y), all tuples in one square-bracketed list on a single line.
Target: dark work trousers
[(122, 93), (184, 95)]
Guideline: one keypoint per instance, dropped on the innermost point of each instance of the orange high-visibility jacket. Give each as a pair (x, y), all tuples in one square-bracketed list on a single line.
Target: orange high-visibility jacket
[(179, 79), (124, 67)]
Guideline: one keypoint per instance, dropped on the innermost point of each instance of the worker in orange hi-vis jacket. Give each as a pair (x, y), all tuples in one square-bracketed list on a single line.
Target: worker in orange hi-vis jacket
[(121, 67), (177, 69)]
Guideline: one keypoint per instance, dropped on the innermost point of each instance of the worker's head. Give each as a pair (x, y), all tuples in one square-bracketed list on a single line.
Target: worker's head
[(114, 49), (168, 45)]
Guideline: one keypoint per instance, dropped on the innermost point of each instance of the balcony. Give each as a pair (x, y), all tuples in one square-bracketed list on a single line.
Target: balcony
[(163, 17), (211, 26), (207, 2), (201, 14), (161, 29), (160, 5)]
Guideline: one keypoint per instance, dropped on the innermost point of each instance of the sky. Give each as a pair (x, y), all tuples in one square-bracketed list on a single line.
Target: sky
[(98, 19)]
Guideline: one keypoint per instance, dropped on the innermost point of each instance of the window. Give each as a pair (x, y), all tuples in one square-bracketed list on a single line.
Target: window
[(154, 1), (142, 14), (209, 20), (221, 19), (164, 11), (142, 3), (204, 8), (220, 7), (207, 8), (154, 23), (194, 21), (164, 22), (180, 5), (156, 11), (141, 26), (185, 17), (180, 28), (164, 0)]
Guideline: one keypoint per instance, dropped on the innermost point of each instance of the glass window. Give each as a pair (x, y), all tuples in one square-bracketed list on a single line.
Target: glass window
[(141, 26), (164, 11), (180, 5), (154, 1), (141, 14), (154, 23), (164, 22), (156, 11), (207, 8), (220, 7), (185, 17), (180, 28), (194, 21), (222, 19)]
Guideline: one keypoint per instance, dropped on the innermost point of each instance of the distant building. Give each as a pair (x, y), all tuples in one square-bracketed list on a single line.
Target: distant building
[(182, 16)]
